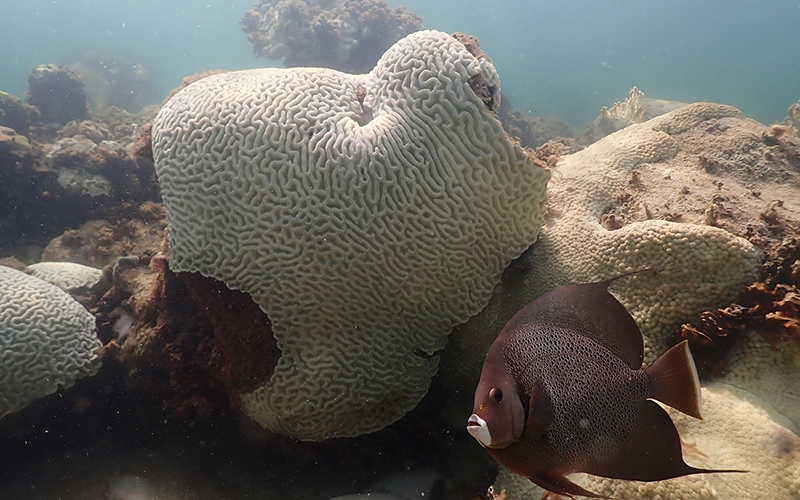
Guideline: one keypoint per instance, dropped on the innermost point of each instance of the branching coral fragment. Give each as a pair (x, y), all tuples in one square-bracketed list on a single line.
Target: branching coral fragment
[(793, 118), (631, 109)]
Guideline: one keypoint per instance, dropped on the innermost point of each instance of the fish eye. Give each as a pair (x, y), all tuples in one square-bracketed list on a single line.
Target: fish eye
[(496, 394)]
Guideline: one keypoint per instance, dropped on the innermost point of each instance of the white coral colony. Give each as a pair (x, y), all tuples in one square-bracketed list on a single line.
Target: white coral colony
[(47, 340), (365, 214), (66, 275)]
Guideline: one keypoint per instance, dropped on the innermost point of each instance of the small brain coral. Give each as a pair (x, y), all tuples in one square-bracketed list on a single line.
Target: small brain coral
[(66, 275), (365, 214), (47, 340)]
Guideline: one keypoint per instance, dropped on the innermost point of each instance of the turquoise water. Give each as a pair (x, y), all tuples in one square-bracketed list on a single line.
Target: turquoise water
[(555, 58), (113, 434), (171, 39), (570, 58)]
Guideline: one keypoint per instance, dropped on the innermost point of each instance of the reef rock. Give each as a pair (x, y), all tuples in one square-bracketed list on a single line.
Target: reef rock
[(16, 114), (365, 214), (792, 119), (98, 243), (348, 35), (70, 158), (113, 79), (58, 93), (635, 109), (91, 166), (15, 150)]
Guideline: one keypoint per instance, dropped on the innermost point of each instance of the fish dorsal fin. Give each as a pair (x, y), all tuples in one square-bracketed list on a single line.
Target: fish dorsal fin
[(589, 310), (651, 453)]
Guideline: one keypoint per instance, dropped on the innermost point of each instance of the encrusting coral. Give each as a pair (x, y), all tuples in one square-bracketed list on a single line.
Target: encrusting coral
[(721, 160), (770, 308), (771, 373), (694, 265), (365, 214), (47, 340)]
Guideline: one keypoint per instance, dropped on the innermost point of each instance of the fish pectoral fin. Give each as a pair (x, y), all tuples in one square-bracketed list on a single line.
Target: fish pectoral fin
[(560, 485), (652, 452), (540, 411)]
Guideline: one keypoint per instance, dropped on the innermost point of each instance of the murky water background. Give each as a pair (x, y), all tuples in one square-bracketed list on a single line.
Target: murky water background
[(555, 58)]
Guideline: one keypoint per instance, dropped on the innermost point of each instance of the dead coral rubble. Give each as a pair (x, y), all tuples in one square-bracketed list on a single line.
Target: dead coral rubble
[(16, 114), (533, 131), (348, 35), (60, 167)]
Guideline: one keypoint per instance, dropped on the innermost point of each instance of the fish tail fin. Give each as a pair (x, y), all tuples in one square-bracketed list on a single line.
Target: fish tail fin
[(675, 381)]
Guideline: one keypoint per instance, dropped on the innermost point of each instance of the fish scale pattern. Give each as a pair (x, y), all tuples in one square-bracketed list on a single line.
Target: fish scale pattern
[(47, 340), (365, 214), (595, 394)]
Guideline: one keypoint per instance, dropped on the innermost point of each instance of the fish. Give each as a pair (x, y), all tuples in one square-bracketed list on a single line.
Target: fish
[(562, 390)]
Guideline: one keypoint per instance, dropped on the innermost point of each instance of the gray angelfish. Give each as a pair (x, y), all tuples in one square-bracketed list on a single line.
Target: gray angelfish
[(562, 391)]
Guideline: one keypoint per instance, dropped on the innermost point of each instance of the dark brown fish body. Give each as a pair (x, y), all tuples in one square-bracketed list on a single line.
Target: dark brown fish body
[(562, 392)]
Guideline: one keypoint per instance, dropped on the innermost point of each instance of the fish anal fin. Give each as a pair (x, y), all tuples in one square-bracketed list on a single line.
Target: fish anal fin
[(560, 485), (652, 453), (674, 381)]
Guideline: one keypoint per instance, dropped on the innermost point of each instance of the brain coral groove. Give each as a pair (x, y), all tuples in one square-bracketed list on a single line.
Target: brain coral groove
[(365, 214), (47, 340)]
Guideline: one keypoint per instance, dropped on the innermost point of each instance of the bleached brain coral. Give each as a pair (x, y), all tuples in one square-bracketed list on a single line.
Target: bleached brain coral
[(365, 214), (66, 275), (47, 340)]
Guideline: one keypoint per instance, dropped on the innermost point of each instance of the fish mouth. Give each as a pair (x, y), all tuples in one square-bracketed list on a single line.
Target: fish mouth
[(474, 420), (478, 429)]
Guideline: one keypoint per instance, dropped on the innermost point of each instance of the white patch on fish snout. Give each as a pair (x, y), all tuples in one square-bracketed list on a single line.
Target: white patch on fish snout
[(584, 423), (477, 427)]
